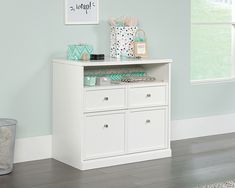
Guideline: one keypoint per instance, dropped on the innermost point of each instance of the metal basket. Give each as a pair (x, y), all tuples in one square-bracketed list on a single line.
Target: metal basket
[(7, 145)]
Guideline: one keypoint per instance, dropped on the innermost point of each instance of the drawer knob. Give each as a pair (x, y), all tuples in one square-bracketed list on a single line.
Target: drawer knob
[(106, 126), (106, 99), (148, 121), (148, 95)]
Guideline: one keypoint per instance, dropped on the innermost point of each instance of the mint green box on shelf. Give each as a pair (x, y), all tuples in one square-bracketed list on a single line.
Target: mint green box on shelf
[(76, 51)]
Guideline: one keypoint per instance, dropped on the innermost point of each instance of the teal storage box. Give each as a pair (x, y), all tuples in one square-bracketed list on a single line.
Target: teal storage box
[(89, 80), (76, 52)]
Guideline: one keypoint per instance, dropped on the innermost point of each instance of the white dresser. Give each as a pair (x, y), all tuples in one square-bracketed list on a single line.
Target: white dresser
[(103, 126)]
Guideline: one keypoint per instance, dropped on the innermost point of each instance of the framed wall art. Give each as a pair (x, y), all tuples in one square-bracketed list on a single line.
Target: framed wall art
[(81, 12)]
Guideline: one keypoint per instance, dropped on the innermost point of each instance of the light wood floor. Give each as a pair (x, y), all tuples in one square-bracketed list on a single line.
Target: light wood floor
[(194, 162)]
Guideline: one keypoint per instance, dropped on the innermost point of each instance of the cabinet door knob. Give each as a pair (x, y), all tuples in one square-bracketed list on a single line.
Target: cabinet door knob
[(106, 98), (106, 126), (148, 121), (148, 95)]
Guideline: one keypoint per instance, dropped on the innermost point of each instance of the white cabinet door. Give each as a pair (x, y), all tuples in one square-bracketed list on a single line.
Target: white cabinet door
[(147, 130), (102, 100), (104, 135), (147, 96)]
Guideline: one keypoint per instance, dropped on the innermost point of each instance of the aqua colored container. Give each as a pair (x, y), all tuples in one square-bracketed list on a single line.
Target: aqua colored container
[(76, 52), (90, 81)]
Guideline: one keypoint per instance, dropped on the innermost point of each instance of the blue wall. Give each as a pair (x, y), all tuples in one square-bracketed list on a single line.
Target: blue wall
[(33, 32)]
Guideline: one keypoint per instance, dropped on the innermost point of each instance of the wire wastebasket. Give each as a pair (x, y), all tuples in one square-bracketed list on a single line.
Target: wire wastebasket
[(7, 145)]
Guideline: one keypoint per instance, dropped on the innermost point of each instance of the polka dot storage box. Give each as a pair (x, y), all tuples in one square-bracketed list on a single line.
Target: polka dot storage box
[(122, 41)]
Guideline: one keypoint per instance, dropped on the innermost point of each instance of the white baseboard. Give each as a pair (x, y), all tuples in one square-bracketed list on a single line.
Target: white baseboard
[(200, 127), (36, 148), (31, 149)]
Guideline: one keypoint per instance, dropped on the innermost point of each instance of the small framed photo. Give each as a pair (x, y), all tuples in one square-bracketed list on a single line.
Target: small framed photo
[(81, 12)]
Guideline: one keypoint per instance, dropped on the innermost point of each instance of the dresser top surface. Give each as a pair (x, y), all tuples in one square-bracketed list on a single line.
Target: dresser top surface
[(113, 62)]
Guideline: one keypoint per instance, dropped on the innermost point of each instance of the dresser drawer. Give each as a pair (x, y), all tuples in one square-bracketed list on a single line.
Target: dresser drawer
[(148, 96), (147, 130), (104, 135), (106, 99)]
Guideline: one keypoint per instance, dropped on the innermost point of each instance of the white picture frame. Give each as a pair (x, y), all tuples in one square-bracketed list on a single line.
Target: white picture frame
[(81, 12)]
